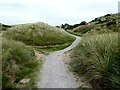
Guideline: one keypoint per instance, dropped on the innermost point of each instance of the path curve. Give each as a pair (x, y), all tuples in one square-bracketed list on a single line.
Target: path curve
[(55, 73)]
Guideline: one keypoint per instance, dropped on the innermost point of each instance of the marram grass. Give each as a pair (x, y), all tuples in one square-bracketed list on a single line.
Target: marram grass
[(18, 62), (38, 34), (97, 58)]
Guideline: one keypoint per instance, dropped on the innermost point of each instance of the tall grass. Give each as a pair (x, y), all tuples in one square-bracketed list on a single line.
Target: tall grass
[(98, 60), (18, 62), (38, 34)]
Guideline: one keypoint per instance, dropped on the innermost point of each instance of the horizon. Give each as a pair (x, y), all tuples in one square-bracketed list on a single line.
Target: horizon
[(54, 12)]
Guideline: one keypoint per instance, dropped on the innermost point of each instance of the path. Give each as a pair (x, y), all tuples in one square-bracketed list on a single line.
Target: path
[(54, 73)]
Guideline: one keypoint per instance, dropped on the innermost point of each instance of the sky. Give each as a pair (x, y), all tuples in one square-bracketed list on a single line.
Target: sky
[(54, 12)]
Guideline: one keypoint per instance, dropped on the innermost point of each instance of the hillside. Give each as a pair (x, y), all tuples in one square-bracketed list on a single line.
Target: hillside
[(19, 62), (103, 24), (96, 57), (40, 34)]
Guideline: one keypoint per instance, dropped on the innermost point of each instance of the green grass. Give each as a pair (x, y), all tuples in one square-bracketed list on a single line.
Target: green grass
[(97, 59), (39, 34), (49, 49), (18, 62)]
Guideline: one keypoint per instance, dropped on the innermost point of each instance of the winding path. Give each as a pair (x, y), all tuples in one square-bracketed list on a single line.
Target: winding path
[(55, 73)]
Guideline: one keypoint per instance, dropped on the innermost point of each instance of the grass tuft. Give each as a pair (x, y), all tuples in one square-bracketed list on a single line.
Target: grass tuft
[(97, 58)]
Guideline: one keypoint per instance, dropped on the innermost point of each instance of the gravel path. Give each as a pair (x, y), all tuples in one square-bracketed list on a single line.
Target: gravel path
[(54, 73)]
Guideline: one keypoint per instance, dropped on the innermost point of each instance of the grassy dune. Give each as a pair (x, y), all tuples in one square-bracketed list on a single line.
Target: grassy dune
[(103, 24), (39, 34), (18, 62), (18, 56), (97, 59)]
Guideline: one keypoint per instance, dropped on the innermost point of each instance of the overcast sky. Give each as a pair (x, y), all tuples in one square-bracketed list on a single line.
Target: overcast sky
[(54, 12)]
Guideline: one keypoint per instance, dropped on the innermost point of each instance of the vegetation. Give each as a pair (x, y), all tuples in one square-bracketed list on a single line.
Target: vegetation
[(18, 56), (0, 61), (39, 34), (67, 26), (97, 59), (99, 25), (18, 62), (4, 27), (48, 49)]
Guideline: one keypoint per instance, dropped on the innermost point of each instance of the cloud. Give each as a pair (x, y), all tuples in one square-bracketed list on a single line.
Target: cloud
[(54, 12)]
